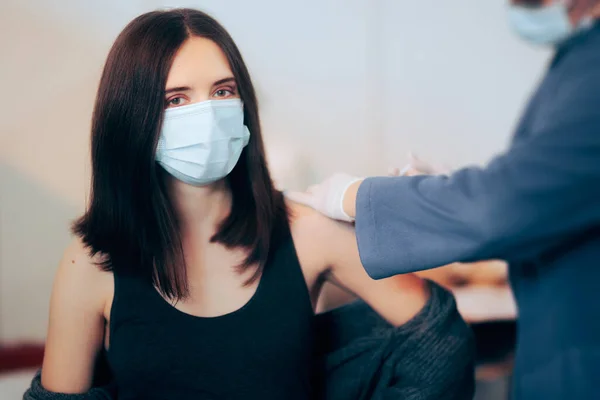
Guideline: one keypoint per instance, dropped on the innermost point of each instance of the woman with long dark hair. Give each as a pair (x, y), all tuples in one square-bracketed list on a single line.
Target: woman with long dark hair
[(189, 269)]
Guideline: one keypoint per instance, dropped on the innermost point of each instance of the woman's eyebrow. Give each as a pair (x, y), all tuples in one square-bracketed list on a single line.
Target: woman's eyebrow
[(178, 89), (224, 80)]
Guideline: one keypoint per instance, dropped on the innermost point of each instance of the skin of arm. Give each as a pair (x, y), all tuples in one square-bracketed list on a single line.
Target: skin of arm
[(76, 326), (329, 248)]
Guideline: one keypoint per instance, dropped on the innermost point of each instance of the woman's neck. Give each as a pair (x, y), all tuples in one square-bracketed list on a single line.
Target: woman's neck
[(200, 209)]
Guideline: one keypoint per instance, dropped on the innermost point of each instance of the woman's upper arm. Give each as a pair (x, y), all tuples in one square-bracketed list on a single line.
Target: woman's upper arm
[(76, 325), (333, 244), (397, 299)]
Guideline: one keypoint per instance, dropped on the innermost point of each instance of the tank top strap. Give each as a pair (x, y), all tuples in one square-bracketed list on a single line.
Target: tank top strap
[(132, 299), (282, 279)]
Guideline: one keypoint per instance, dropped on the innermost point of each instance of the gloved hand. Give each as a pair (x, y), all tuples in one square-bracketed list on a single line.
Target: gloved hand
[(416, 166), (327, 197)]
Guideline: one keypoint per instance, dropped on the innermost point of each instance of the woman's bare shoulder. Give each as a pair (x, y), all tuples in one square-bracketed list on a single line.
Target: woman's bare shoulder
[(80, 275), (306, 220), (311, 232), (79, 259)]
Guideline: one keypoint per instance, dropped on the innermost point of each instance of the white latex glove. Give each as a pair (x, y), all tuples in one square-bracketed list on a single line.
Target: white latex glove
[(408, 170), (416, 166), (327, 197)]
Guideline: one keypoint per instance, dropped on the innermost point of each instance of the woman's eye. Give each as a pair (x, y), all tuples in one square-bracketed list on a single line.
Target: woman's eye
[(223, 93), (174, 102)]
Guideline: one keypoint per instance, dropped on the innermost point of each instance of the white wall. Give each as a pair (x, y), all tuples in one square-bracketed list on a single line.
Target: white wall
[(454, 77), (344, 85)]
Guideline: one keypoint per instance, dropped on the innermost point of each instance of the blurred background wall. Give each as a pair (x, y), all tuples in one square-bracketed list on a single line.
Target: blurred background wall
[(344, 85)]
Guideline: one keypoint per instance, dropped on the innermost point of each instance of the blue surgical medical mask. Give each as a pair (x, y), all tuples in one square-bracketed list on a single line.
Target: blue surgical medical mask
[(201, 143), (543, 25)]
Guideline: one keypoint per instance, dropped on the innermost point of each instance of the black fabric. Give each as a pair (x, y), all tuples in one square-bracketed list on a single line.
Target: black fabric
[(37, 392), (262, 351), (430, 357), (363, 357)]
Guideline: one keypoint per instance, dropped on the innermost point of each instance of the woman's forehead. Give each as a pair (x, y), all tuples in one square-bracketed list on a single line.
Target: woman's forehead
[(198, 62)]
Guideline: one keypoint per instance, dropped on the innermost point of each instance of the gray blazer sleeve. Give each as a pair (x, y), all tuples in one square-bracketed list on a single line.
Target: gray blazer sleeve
[(544, 189), (37, 392)]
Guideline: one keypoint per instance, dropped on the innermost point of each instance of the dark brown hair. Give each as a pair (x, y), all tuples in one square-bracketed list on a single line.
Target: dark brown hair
[(130, 220)]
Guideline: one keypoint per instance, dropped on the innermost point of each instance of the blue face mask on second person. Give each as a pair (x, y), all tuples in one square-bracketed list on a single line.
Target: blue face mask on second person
[(544, 25)]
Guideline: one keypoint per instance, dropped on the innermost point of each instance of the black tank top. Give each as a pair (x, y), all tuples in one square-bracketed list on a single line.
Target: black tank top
[(263, 351)]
